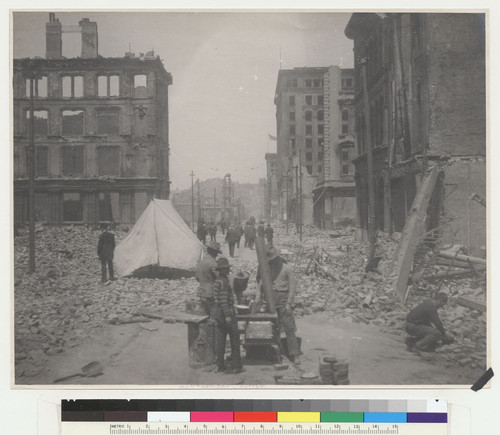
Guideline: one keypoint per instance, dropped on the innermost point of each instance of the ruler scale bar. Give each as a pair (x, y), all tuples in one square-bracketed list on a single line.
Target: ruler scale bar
[(162, 428)]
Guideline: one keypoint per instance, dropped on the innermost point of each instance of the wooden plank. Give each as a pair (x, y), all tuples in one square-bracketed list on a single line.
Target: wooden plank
[(414, 227), (257, 317), (469, 303), (461, 257), (183, 318)]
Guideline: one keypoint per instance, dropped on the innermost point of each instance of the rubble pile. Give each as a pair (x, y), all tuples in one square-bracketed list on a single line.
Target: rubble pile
[(64, 302), (330, 268)]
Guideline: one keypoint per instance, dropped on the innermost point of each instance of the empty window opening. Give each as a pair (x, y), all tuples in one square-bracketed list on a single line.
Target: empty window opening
[(140, 85), (72, 207), (108, 160), (108, 121), (40, 88), (309, 99), (41, 120), (72, 161), (321, 115), (72, 122), (72, 86), (309, 115), (108, 86), (291, 100)]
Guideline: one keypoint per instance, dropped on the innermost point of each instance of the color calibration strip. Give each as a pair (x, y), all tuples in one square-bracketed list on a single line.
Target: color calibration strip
[(242, 411)]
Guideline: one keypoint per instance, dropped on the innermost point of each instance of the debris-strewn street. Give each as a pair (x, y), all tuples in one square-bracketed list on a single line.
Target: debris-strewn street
[(65, 318)]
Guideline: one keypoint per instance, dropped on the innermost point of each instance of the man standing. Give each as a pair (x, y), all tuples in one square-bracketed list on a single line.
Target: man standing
[(205, 275), (231, 238), (212, 231), (202, 231), (105, 251), (225, 320), (423, 336), (269, 235), (261, 231), (252, 232), (284, 287), (239, 232)]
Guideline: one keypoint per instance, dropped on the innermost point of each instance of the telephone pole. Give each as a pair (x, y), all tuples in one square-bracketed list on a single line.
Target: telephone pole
[(199, 199), (300, 195), (31, 174), (192, 199), (372, 235)]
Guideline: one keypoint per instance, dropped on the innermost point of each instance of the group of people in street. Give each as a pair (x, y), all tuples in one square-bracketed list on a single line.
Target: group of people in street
[(217, 299)]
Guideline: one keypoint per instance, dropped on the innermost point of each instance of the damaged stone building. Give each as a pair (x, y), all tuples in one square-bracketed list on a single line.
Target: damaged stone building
[(100, 132), (425, 85), (315, 145)]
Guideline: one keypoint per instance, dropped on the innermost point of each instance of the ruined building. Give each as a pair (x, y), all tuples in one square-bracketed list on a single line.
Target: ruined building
[(100, 132), (425, 85), (315, 145)]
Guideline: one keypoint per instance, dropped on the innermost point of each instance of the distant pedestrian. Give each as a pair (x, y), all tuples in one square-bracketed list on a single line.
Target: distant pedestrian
[(252, 233), (212, 231), (261, 231), (239, 233), (202, 231), (231, 238), (225, 320), (269, 235), (105, 251), (246, 233), (223, 226)]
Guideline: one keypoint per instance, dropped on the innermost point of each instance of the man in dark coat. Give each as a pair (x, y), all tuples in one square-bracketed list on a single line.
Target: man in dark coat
[(105, 251), (239, 232), (252, 233), (231, 239), (212, 231), (424, 326), (202, 231)]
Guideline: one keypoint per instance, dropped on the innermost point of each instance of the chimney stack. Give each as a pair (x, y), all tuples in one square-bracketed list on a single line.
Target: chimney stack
[(89, 38), (53, 34)]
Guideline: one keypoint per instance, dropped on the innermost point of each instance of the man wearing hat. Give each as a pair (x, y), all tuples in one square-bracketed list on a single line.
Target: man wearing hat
[(205, 275), (231, 239), (105, 251), (225, 320), (284, 287)]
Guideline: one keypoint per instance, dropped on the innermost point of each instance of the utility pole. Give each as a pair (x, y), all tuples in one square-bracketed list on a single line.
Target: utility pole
[(286, 204), (199, 199), (215, 198), (372, 236), (192, 199), (300, 196), (31, 184)]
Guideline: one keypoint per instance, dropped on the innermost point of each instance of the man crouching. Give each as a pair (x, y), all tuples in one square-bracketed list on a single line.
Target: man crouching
[(424, 326)]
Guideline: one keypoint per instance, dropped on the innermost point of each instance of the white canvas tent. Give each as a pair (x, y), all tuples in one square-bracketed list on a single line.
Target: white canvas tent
[(159, 238)]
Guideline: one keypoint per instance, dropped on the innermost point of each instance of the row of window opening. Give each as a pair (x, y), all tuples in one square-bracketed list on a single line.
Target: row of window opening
[(73, 86)]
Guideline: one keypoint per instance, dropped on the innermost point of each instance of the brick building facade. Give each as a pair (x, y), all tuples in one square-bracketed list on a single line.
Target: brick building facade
[(427, 102), (100, 132)]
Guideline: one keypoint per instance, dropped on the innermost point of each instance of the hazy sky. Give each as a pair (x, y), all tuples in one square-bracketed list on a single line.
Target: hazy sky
[(224, 68)]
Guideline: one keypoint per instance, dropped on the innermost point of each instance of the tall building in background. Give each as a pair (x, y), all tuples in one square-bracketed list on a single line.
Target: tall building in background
[(310, 104), (271, 195), (100, 132), (425, 85)]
